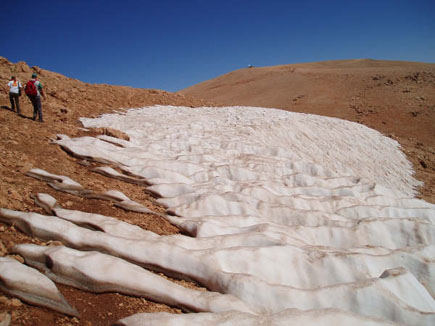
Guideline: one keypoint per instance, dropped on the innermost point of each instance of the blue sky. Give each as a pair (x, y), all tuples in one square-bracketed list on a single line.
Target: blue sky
[(170, 45)]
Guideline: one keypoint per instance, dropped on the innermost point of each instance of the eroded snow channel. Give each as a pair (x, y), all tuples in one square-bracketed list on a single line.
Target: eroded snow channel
[(320, 211)]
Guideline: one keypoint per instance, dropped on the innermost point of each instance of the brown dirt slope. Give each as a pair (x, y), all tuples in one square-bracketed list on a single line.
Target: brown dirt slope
[(394, 97), (25, 144), (69, 99)]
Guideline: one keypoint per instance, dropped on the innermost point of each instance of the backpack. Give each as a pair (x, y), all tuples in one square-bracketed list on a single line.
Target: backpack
[(30, 88)]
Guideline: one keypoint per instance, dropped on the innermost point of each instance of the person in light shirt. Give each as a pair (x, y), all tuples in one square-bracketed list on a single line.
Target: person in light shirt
[(14, 93)]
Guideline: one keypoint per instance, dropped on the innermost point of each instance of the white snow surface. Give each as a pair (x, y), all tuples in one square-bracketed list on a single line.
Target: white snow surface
[(31, 286), (332, 200), (284, 141)]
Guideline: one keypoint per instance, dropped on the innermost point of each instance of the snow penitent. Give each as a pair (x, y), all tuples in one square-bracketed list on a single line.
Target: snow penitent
[(292, 218)]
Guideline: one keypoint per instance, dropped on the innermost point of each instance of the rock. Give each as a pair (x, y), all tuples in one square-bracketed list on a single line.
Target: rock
[(26, 166), (113, 133), (37, 70), (5, 319), (3, 250), (22, 67), (9, 180), (389, 82), (17, 258), (16, 302), (63, 96), (84, 163), (54, 243), (13, 194), (423, 163), (3, 61)]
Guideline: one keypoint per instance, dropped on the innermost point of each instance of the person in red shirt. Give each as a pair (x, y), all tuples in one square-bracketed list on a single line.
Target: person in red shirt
[(35, 98)]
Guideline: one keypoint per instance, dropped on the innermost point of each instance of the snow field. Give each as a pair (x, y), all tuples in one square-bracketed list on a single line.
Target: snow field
[(293, 218)]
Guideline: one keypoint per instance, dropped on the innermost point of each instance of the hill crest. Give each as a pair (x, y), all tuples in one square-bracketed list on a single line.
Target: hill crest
[(396, 98)]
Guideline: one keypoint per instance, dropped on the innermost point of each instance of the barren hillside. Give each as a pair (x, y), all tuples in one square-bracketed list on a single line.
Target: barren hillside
[(382, 94), (394, 97), (26, 144)]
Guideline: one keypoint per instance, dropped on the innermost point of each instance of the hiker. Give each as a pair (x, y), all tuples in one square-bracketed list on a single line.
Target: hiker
[(14, 93), (34, 91)]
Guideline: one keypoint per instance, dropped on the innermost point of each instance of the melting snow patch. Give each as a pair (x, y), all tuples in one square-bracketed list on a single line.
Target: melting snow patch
[(249, 138), (294, 218)]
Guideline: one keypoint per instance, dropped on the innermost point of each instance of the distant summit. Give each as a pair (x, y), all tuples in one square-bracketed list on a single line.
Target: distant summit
[(380, 94)]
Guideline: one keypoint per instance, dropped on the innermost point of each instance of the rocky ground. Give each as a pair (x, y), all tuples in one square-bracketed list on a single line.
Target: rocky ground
[(25, 144), (399, 103)]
